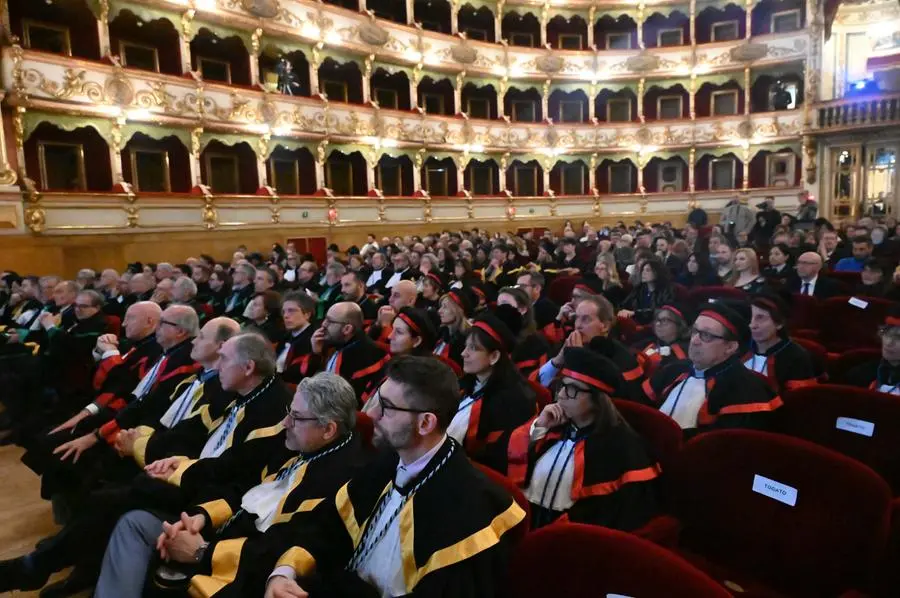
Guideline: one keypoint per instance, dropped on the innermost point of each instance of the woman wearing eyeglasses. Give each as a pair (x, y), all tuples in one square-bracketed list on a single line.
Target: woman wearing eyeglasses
[(496, 398), (671, 335), (579, 459)]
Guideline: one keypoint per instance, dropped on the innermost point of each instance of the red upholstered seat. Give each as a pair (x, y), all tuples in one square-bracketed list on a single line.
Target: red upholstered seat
[(847, 360), (819, 356), (804, 313), (812, 413), (583, 561), (365, 427), (829, 542), (701, 295), (664, 437), (113, 325), (844, 326), (517, 495), (847, 280), (543, 395), (560, 290)]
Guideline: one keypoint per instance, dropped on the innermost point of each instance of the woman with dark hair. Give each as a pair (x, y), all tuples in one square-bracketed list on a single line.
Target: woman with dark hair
[(220, 288), (579, 458), (784, 363), (699, 272), (454, 310), (462, 273), (264, 316), (671, 336), (430, 296), (514, 308), (496, 398), (781, 264), (653, 291)]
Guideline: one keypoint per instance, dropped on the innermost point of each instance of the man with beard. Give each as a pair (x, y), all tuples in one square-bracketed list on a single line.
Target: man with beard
[(382, 532), (354, 289), (341, 346)]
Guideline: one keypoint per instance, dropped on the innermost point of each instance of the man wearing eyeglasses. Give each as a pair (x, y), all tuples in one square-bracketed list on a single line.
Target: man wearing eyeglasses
[(419, 503), (808, 282), (712, 389), (307, 463), (341, 346)]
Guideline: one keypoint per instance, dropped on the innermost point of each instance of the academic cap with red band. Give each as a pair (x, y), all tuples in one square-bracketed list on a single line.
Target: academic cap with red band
[(892, 321), (593, 369), (721, 319), (490, 331)]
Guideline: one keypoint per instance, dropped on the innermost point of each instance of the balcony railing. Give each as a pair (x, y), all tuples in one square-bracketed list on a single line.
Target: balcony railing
[(861, 112)]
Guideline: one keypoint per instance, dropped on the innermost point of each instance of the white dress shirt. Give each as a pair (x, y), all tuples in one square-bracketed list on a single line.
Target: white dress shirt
[(545, 479), (685, 400)]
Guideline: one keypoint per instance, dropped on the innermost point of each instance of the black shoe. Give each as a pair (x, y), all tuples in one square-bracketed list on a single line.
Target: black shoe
[(76, 582), (19, 574)]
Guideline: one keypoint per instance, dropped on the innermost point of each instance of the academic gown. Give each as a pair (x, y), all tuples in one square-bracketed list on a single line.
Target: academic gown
[(530, 353), (545, 312), (453, 531), (253, 481), (117, 374), (654, 355), (625, 361), (876, 375), (295, 365), (600, 477), (786, 365), (486, 416), (729, 396), (450, 346), (237, 301), (359, 362)]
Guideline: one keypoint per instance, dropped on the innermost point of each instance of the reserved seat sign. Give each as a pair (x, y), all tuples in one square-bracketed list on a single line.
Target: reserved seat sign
[(776, 490)]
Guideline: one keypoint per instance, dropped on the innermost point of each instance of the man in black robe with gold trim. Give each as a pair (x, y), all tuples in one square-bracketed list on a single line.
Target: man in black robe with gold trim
[(421, 521), (299, 468)]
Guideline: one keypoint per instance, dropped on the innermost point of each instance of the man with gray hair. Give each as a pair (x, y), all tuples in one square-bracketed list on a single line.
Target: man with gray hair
[(184, 292), (307, 464), (241, 291), (331, 290), (86, 278)]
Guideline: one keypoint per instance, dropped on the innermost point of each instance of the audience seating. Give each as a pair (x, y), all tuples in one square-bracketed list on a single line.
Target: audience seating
[(543, 395), (560, 290), (840, 365), (804, 315), (365, 427), (847, 280), (582, 561), (663, 436), (113, 325), (504, 482), (819, 356), (828, 543), (843, 326), (812, 413), (700, 295)]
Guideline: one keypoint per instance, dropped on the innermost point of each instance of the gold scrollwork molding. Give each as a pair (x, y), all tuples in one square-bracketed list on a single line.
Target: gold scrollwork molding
[(35, 219)]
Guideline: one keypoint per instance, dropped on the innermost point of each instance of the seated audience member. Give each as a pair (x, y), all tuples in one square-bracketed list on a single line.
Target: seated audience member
[(594, 319), (608, 479), (184, 292), (862, 251), (263, 315), (568, 262), (403, 294), (340, 346), (712, 390), (294, 350), (402, 270), (353, 288), (745, 275), (872, 280), (605, 271), (330, 291), (454, 311), (808, 282), (530, 351), (432, 287), (882, 374), (379, 275), (773, 355), (699, 272), (242, 290), (24, 307), (496, 398), (780, 264), (219, 291), (671, 335), (563, 325), (453, 504), (654, 291), (321, 452), (545, 311)]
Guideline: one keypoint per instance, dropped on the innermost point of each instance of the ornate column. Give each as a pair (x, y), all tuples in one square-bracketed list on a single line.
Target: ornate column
[(196, 133), (102, 28), (592, 174), (640, 99), (546, 166), (115, 149), (641, 161), (545, 99), (498, 21), (504, 165), (461, 164), (592, 96), (811, 95), (457, 92), (367, 79), (314, 65), (262, 155), (545, 18), (184, 39), (320, 163), (749, 17), (371, 155), (693, 26), (362, 6), (8, 176), (592, 15), (745, 173), (747, 91), (501, 96), (640, 26), (255, 46), (418, 161), (414, 87), (692, 164), (454, 17), (692, 97), (410, 12)]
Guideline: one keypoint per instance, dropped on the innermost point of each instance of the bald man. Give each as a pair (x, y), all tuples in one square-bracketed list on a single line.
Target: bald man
[(403, 294), (341, 346), (808, 282)]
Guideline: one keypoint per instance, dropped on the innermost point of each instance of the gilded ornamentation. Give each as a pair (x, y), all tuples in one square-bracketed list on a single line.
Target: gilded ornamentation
[(256, 41), (643, 62), (748, 52), (549, 63), (19, 89), (264, 9), (118, 89), (156, 97), (276, 214), (195, 141), (187, 23), (131, 216), (73, 84), (320, 151), (809, 147), (463, 53), (29, 191), (372, 33), (35, 219), (19, 127), (210, 216), (799, 47), (8, 176)]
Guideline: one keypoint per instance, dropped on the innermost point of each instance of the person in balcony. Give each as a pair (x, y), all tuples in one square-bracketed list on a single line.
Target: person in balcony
[(654, 291), (745, 275)]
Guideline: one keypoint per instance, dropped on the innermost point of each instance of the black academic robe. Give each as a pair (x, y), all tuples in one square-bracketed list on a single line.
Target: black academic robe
[(378, 287), (614, 482), (456, 510), (296, 364), (653, 355), (359, 362), (237, 301), (873, 375), (69, 353), (530, 353), (221, 484), (427, 304), (369, 310), (450, 346), (503, 276), (627, 363), (545, 312), (10, 316), (735, 396), (505, 402), (118, 375), (788, 365)]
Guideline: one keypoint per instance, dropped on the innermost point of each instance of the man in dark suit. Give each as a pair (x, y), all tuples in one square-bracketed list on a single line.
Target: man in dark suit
[(808, 282)]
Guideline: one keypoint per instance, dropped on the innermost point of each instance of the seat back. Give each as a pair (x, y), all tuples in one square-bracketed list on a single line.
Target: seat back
[(847, 360), (113, 324), (700, 295), (365, 427), (818, 354), (825, 543), (592, 561), (507, 484), (856, 422), (663, 436), (865, 322), (560, 290), (543, 395), (804, 312)]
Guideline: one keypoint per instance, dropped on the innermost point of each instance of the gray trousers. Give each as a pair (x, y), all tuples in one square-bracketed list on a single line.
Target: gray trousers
[(128, 555)]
